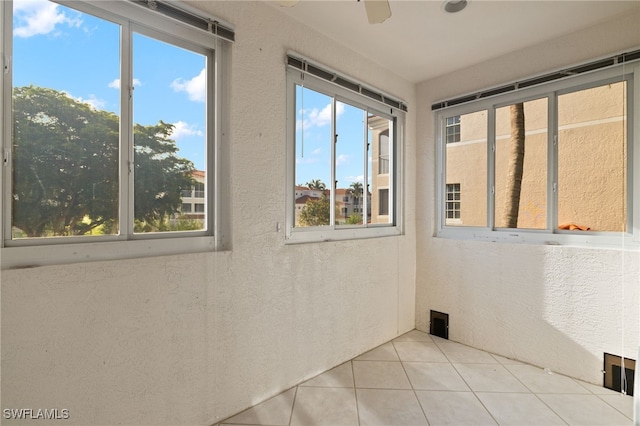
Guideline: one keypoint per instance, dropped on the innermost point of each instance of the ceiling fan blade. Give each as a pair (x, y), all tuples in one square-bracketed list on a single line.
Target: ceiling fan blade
[(287, 3), (378, 11)]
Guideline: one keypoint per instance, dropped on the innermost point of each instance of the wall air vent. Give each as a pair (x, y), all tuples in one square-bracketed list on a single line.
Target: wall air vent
[(439, 324), (619, 373)]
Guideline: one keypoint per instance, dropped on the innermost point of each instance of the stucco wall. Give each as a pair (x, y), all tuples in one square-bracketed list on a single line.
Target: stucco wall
[(192, 339), (553, 306)]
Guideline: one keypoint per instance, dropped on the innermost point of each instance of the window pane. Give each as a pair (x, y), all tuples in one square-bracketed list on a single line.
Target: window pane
[(466, 165), (383, 201), (313, 158), (521, 165), (453, 129), (380, 170), (350, 162), (592, 159), (453, 201), (169, 113), (383, 153), (66, 122)]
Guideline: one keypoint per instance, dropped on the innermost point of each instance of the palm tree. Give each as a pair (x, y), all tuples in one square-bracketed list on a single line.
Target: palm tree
[(316, 184), (516, 167), (356, 191)]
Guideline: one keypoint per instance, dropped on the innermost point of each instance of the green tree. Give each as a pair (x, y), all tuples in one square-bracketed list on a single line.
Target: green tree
[(316, 212), (316, 184), (354, 219), (66, 167), (356, 191), (64, 164), (159, 176)]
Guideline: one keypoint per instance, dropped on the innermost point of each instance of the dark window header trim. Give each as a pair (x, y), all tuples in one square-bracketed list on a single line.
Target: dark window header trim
[(180, 13), (556, 75), (306, 66)]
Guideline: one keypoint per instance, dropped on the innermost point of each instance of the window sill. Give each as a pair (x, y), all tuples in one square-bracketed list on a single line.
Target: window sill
[(55, 254), (585, 239), (316, 235)]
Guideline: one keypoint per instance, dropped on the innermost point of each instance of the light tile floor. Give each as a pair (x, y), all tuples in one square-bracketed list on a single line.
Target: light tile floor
[(418, 379)]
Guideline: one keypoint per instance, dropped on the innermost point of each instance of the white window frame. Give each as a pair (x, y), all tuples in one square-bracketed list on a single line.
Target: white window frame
[(61, 250), (332, 232), (552, 236)]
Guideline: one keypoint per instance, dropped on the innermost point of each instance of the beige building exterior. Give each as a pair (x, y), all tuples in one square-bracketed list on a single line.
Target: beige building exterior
[(193, 200), (591, 170), (381, 167)]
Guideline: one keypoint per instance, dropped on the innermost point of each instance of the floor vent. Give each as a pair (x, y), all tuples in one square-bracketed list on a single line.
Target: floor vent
[(439, 324), (619, 377)]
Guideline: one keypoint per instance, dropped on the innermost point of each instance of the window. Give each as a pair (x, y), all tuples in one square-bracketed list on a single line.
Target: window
[(453, 129), (112, 126), (199, 208), (186, 208), (383, 153), (199, 190), (552, 159), (383, 199), (338, 133), (452, 207)]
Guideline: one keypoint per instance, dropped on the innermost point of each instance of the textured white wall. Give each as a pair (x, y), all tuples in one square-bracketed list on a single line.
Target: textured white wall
[(555, 307), (192, 339)]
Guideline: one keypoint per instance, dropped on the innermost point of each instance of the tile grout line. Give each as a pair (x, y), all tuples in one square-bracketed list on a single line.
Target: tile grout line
[(411, 384), (615, 408), (469, 386), (293, 404), (355, 391)]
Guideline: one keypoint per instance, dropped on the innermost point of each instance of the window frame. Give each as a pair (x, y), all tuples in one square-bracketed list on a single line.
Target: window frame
[(332, 232), (132, 18), (629, 72)]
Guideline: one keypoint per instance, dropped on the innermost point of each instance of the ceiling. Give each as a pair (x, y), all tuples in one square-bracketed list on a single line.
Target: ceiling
[(421, 41)]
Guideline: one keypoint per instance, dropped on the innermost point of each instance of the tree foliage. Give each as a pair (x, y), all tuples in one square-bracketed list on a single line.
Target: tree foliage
[(354, 219), (160, 176), (316, 212), (355, 189), (66, 167), (316, 184)]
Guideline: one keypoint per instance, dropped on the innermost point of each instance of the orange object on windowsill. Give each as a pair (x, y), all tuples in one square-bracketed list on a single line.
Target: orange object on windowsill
[(573, 227)]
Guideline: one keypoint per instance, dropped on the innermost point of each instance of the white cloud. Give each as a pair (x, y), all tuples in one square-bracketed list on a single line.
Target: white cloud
[(355, 179), (316, 151), (182, 129), (92, 101), (195, 88), (115, 84), (306, 160), (342, 159), (38, 17), (318, 118)]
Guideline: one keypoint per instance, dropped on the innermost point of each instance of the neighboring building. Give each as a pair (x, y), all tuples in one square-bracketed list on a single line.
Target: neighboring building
[(346, 204), (591, 171), (381, 167), (193, 200)]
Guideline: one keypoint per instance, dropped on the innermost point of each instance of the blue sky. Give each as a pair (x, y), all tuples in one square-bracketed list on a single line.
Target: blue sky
[(313, 140), (60, 48), (63, 49)]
